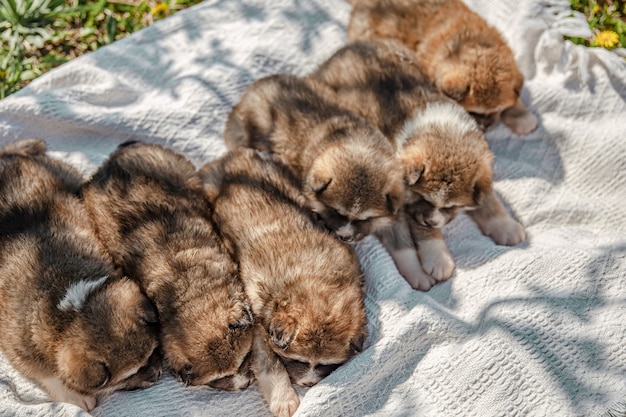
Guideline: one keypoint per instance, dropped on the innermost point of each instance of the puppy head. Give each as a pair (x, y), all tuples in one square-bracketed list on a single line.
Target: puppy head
[(355, 189), (483, 78), (209, 338), (112, 343), (316, 328), (447, 165)]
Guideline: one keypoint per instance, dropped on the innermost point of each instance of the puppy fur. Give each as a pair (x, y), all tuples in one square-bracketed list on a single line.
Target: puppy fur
[(467, 59), (306, 287), (348, 170), (445, 156), (150, 212), (69, 321)]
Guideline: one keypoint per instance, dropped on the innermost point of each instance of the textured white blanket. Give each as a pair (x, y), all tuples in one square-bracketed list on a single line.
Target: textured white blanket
[(535, 330)]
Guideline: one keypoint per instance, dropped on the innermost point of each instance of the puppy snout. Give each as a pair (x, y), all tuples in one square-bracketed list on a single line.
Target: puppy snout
[(430, 223), (345, 233)]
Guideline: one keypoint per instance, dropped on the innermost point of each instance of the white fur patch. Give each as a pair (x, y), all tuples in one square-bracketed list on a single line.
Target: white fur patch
[(78, 292), (446, 115)]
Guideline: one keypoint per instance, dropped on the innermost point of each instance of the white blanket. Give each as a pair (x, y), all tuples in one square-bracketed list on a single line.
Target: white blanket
[(538, 329)]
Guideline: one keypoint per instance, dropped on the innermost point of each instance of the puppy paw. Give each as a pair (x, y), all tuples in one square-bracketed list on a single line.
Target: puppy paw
[(504, 231), (59, 392), (85, 402), (519, 119), (436, 259), (284, 403), (409, 266)]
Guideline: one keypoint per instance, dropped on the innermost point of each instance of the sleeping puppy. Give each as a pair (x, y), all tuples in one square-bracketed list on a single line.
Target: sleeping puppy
[(150, 213), (305, 286), (69, 321), (466, 59), (348, 170), (445, 156)]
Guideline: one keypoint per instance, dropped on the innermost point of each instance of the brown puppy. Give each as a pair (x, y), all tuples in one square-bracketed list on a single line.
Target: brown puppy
[(445, 156), (306, 288), (348, 170), (69, 321), (467, 59), (150, 212)]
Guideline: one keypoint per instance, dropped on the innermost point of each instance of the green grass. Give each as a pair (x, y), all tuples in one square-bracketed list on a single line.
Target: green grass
[(38, 35), (607, 21)]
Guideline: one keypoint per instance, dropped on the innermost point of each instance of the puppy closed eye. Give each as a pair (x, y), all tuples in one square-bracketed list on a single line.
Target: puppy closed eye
[(105, 376), (325, 370)]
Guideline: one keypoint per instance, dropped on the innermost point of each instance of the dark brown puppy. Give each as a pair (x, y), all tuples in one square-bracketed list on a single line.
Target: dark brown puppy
[(69, 321), (348, 170), (306, 287), (151, 214), (468, 60), (445, 156)]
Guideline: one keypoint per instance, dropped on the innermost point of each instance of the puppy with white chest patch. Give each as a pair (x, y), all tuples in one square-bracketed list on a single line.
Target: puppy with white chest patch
[(151, 214), (305, 286), (69, 321), (347, 169), (445, 157), (466, 58)]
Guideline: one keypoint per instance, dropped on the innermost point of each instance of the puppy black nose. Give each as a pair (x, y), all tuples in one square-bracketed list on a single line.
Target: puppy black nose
[(346, 238), (430, 223)]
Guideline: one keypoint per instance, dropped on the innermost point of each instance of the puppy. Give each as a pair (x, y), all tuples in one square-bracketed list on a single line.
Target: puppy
[(69, 321), (466, 59), (305, 286), (348, 170), (150, 213), (445, 156)]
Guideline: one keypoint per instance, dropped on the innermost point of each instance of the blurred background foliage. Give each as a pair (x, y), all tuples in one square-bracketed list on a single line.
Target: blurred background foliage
[(38, 35), (606, 19)]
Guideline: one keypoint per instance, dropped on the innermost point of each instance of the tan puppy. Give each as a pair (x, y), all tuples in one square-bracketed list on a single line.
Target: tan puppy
[(69, 321), (467, 59), (445, 156), (348, 170), (149, 208), (306, 287)]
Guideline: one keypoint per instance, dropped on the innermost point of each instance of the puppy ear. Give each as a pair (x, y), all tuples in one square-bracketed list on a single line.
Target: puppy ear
[(283, 327), (453, 82), (483, 183)]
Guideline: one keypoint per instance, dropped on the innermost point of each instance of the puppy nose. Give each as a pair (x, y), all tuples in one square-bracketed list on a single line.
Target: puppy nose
[(430, 223), (348, 238)]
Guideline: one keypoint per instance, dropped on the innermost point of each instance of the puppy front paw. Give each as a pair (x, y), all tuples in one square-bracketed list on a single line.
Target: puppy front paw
[(436, 259), (411, 270), (504, 231), (284, 403), (519, 119)]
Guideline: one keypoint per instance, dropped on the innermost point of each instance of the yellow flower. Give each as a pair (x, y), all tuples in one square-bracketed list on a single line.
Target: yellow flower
[(159, 8), (606, 39), (596, 9)]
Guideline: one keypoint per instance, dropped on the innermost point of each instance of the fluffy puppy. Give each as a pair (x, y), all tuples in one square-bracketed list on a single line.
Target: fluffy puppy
[(69, 321), (149, 209), (466, 59), (348, 170), (305, 287), (445, 156)]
